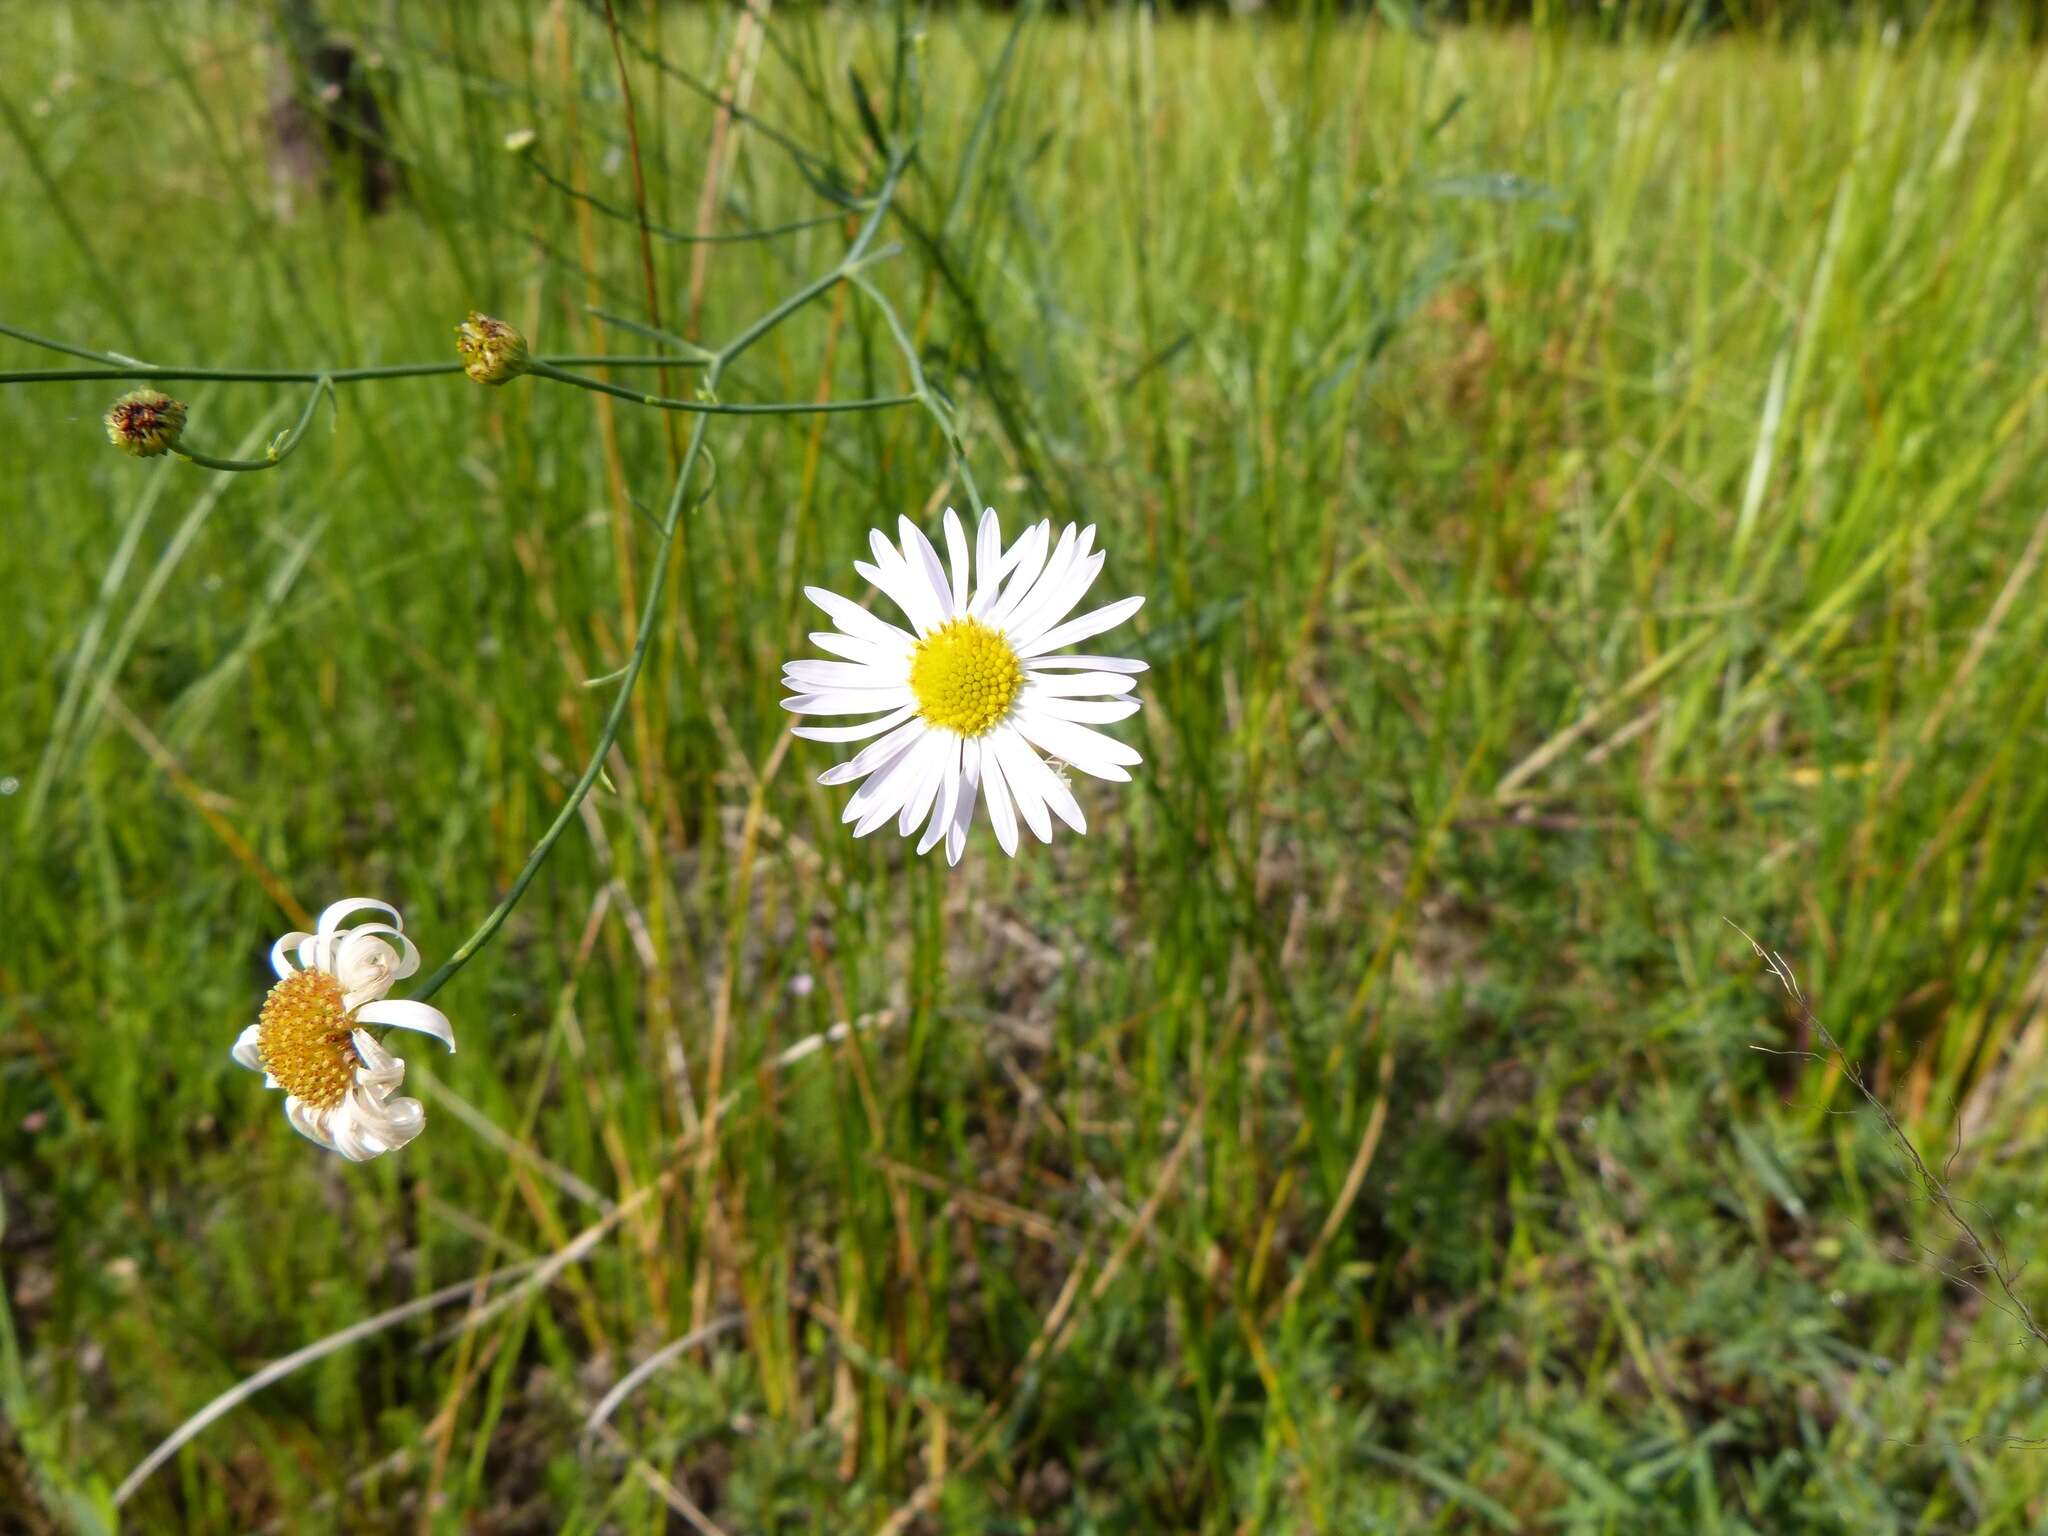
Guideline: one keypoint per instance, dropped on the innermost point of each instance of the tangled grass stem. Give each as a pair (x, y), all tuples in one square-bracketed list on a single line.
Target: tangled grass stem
[(1993, 1263)]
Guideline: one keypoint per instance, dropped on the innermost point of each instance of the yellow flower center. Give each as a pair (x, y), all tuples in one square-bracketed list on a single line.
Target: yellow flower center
[(303, 1036), (965, 677)]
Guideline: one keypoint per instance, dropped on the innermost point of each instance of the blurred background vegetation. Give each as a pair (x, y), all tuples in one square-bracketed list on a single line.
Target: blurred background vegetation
[(1587, 476)]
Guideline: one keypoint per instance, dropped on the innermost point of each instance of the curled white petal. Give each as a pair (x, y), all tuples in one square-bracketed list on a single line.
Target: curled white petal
[(368, 1122), (309, 1122), (366, 965), (281, 952), (244, 1049), (331, 919), (403, 1013)]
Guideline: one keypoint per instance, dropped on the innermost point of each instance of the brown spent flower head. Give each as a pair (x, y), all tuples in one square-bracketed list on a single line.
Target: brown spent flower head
[(492, 351), (146, 423)]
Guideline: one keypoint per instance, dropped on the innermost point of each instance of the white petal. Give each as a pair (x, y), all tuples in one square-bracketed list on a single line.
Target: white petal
[(949, 799), (908, 588), (1079, 685), (1027, 560), (874, 754), (365, 1125), (920, 556), (867, 651), (879, 773), (856, 620), (378, 1069), (1024, 767), (1050, 604), (940, 754), (367, 966), (330, 920), (963, 811), (886, 790), (988, 559), (1016, 758), (849, 701), (244, 1049), (956, 551), (1090, 751), (1080, 711), (309, 1122), (1021, 594), (1039, 534), (1001, 814), (855, 732), (1094, 623), (402, 1013), (408, 951), (923, 785), (821, 676), (1087, 663), (280, 954)]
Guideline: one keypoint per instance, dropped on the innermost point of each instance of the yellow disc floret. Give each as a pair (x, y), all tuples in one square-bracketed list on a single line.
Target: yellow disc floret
[(965, 677), (303, 1035)]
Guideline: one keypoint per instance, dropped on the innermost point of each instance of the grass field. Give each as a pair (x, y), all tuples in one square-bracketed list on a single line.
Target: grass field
[(1588, 494)]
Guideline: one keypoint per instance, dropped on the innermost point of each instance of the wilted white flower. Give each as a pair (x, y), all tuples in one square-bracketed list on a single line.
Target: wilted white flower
[(966, 699), (309, 1040)]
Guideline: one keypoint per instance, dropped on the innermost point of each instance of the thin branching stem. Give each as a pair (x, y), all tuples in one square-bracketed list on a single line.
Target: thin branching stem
[(856, 257), (1932, 1184), (719, 407), (922, 391), (280, 450), (676, 236), (614, 718)]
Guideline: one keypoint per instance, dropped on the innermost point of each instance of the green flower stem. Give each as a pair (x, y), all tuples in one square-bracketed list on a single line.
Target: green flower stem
[(115, 366), (855, 258), (676, 236), (314, 376), (614, 718), (924, 394), (796, 301), (717, 407), (279, 451), (651, 333)]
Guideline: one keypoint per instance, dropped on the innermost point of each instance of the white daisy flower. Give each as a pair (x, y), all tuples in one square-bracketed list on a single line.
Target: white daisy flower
[(309, 1041), (967, 697)]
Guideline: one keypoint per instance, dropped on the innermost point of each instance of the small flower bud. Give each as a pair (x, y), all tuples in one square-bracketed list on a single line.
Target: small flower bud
[(520, 141), (492, 351), (145, 422)]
